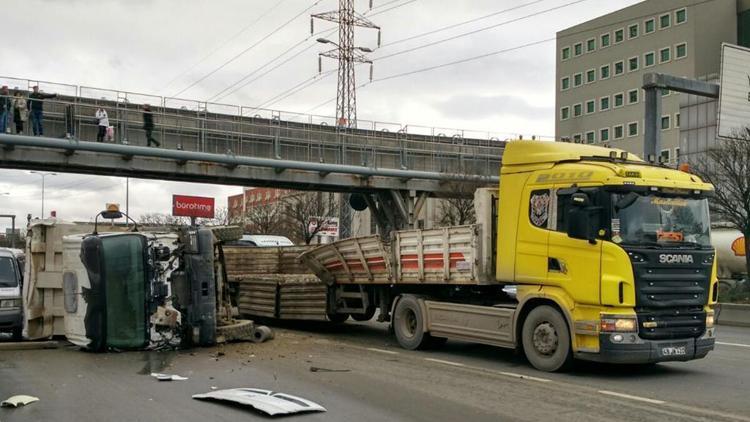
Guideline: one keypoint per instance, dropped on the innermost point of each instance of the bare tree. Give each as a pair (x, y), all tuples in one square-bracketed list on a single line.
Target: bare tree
[(160, 219), (221, 218), (458, 210), (266, 219), (727, 167), (302, 213)]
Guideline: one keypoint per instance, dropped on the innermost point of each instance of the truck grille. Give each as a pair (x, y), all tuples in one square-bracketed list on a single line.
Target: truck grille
[(671, 323), (671, 285)]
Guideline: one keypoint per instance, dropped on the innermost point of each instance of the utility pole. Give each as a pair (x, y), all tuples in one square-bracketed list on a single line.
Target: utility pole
[(43, 175), (347, 55)]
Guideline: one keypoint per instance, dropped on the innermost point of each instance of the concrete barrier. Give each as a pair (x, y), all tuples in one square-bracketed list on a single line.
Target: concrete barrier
[(733, 314)]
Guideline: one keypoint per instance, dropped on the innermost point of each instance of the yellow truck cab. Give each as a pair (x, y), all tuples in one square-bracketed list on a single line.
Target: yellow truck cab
[(620, 247)]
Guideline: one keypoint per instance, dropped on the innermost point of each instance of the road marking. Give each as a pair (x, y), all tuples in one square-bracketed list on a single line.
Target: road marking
[(389, 352), (628, 396), (733, 344), (521, 376), (446, 362)]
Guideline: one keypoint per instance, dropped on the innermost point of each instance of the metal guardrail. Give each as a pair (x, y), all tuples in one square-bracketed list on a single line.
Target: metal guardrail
[(245, 131)]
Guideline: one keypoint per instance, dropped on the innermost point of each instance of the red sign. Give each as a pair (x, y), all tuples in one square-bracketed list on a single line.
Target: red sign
[(192, 206)]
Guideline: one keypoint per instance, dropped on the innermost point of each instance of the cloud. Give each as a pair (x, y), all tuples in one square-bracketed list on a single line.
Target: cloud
[(482, 106)]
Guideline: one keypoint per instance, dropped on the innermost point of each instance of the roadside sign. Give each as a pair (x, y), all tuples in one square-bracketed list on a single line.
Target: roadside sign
[(734, 99), (738, 246), (330, 226), (192, 206)]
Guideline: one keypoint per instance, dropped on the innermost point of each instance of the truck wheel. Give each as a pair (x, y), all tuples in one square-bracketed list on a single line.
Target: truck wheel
[(18, 334), (546, 339), (369, 313), (337, 318), (227, 233), (408, 324), (238, 330)]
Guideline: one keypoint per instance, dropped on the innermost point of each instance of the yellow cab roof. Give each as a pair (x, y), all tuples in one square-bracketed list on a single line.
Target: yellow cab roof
[(595, 162)]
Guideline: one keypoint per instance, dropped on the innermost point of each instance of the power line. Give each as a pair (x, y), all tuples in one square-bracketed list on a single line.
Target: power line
[(299, 87), (223, 44), (391, 8), (455, 25), (235, 57), (398, 53)]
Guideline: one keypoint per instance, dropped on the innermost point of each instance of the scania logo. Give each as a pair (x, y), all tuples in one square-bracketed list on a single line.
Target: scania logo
[(666, 258)]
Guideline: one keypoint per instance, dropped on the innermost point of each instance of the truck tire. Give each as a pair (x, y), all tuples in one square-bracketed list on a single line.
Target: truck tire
[(238, 330), (227, 233), (337, 318), (408, 324), (546, 339), (369, 313)]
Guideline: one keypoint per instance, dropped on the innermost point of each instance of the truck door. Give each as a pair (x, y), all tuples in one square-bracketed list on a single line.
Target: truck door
[(573, 264)]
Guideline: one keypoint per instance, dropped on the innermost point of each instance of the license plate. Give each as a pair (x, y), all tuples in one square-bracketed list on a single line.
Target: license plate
[(674, 350)]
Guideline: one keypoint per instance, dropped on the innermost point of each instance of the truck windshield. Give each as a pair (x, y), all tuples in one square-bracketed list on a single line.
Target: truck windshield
[(660, 221), (8, 277), (125, 291)]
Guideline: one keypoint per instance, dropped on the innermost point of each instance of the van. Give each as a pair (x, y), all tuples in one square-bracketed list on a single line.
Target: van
[(11, 281)]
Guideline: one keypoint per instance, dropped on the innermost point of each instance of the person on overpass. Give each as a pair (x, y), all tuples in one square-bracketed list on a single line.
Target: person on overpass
[(36, 105), (103, 123), (20, 112), (5, 108), (148, 125)]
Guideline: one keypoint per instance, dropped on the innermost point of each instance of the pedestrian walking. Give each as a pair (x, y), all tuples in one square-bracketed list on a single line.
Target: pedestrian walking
[(36, 106), (148, 125), (103, 123), (5, 109), (20, 111)]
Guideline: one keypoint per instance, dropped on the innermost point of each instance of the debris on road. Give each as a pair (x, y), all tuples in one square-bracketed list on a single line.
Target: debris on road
[(29, 345), (266, 401), (262, 333), (19, 400), (316, 369), (167, 377)]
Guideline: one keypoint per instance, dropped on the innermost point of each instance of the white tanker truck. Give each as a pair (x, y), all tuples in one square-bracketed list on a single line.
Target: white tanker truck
[(730, 252)]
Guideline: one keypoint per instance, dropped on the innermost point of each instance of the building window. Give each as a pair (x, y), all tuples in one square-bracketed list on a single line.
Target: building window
[(618, 131), (578, 49), (665, 122), (604, 40), (577, 138), (619, 68), (632, 129), (590, 76), (604, 134), (590, 106), (604, 72), (633, 31), (664, 156), (633, 96), (649, 59), (604, 103), (566, 53), (619, 36), (680, 16), (677, 120), (664, 92), (578, 79), (649, 26), (677, 155), (590, 45), (590, 137), (633, 64), (619, 99), (664, 21), (565, 83), (680, 51), (577, 110), (565, 113), (665, 55)]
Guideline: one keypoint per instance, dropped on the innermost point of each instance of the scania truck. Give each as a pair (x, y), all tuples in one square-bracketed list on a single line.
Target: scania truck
[(583, 252)]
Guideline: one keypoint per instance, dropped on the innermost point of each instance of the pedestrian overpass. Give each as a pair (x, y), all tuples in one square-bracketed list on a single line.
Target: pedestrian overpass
[(393, 166)]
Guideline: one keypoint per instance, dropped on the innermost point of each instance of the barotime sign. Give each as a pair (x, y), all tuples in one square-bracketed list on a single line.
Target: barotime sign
[(192, 206)]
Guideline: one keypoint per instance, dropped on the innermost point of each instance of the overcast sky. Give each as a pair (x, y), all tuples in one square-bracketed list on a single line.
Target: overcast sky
[(164, 46)]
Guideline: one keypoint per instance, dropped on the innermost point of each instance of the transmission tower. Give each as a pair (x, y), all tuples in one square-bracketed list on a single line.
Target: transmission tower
[(347, 55)]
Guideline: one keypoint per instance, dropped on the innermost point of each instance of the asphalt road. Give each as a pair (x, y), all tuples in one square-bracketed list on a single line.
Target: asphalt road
[(374, 380)]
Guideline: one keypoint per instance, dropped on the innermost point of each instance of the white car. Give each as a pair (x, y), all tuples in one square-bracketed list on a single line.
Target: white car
[(11, 303)]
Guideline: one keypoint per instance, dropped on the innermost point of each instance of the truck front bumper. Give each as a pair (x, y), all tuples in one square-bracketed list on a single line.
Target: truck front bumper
[(10, 319), (638, 350)]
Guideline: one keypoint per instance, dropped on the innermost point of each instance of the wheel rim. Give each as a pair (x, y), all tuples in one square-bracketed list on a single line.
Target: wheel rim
[(409, 323), (545, 339)]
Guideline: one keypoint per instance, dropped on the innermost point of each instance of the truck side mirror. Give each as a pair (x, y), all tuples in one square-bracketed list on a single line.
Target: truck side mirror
[(578, 223)]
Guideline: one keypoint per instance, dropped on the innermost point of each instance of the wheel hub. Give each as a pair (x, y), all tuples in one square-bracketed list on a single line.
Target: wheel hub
[(545, 338)]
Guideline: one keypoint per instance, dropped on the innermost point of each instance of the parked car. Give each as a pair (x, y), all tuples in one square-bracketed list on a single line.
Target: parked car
[(11, 282), (262, 241)]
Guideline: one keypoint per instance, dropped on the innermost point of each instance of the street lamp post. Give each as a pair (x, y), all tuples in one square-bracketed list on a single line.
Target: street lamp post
[(43, 174)]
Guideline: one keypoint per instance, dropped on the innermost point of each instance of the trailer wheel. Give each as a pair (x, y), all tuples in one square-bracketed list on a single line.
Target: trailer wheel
[(546, 339), (408, 324), (369, 313), (227, 233)]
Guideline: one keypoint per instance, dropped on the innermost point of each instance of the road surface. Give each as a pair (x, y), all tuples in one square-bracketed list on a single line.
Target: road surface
[(359, 374)]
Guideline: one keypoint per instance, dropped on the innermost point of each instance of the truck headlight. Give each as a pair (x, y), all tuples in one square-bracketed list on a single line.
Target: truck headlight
[(10, 303), (710, 320), (621, 325)]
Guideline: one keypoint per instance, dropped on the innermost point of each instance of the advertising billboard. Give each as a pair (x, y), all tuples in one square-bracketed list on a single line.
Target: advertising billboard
[(734, 99), (192, 206)]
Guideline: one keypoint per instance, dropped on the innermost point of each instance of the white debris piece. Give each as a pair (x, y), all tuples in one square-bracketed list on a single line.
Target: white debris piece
[(266, 401), (167, 377), (19, 400)]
